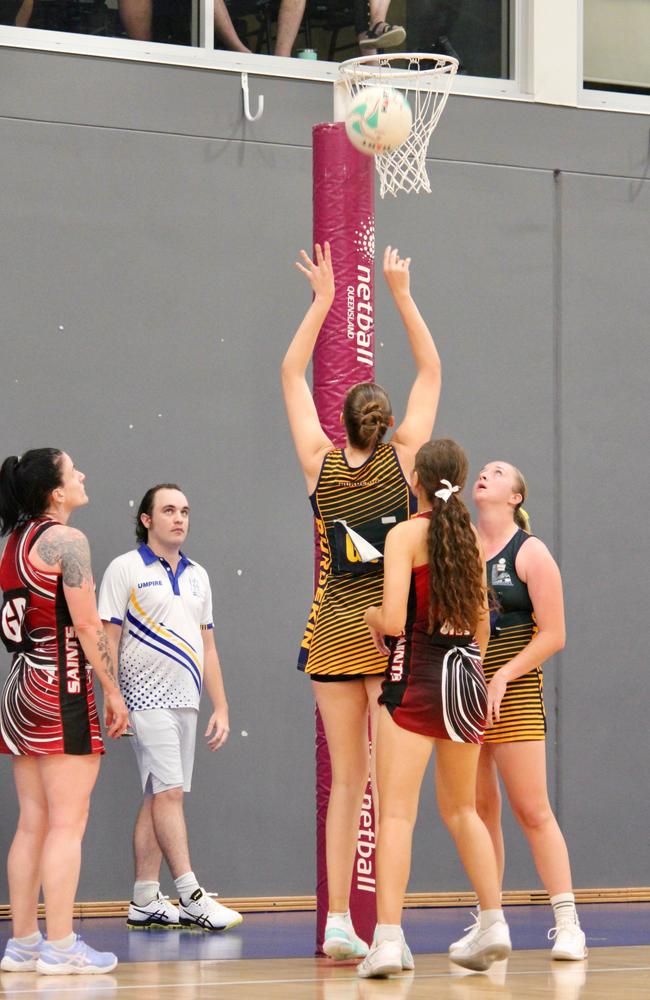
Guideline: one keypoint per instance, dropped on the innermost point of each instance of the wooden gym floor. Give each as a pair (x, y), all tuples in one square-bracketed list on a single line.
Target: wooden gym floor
[(608, 974), (178, 965)]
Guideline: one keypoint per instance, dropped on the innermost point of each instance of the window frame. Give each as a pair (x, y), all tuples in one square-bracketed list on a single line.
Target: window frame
[(205, 56), (604, 100), (547, 38)]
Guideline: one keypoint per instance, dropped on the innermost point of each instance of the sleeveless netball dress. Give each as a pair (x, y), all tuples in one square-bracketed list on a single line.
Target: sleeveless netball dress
[(47, 704), (434, 683), (513, 626), (354, 508)]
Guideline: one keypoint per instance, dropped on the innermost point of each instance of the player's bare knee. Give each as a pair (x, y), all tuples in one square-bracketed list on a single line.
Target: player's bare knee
[(534, 816)]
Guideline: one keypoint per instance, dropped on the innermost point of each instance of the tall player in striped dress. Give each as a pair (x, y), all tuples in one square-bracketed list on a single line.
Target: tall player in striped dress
[(357, 494), (48, 718), (527, 629)]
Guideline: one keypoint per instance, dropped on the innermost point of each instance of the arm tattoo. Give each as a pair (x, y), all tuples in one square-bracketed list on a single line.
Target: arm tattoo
[(73, 555), (105, 654)]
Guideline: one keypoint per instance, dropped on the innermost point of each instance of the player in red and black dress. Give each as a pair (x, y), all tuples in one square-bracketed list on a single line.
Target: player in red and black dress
[(48, 718), (434, 694), (48, 706)]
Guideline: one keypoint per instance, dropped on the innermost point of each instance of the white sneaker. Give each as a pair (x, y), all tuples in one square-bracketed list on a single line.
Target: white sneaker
[(570, 942), (466, 937), (340, 942), (480, 948), (203, 911), (386, 959), (158, 913)]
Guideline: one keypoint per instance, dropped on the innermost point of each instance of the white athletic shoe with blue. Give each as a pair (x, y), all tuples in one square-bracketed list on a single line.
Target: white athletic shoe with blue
[(386, 959), (340, 942), (20, 957), (205, 913), (78, 959), (159, 913)]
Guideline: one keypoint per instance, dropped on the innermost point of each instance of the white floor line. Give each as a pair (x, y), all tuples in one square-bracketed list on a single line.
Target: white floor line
[(287, 982)]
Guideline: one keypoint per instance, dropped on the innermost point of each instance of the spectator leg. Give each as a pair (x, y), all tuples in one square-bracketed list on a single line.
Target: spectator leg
[(225, 29), (136, 18), (289, 18)]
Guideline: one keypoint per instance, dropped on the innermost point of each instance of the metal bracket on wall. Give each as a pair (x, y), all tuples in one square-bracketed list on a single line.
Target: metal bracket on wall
[(247, 107)]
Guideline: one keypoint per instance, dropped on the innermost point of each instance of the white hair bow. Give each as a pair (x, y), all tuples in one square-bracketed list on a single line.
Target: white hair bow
[(447, 491)]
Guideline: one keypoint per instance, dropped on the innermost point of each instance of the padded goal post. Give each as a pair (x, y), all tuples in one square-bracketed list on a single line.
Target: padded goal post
[(343, 214)]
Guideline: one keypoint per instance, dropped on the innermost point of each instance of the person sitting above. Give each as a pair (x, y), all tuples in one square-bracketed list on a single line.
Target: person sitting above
[(136, 17)]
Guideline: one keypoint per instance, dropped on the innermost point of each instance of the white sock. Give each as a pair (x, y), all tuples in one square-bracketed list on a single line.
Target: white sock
[(489, 917), (30, 939), (564, 908), (65, 943), (345, 917), (145, 892), (387, 932), (186, 884)]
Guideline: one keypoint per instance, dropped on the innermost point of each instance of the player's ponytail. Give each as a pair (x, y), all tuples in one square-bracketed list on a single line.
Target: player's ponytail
[(366, 415), (456, 587), (521, 517), (26, 484)]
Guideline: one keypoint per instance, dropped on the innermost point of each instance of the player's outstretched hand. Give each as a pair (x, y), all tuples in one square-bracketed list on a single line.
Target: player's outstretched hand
[(319, 272), (396, 272), (116, 716), (218, 729)]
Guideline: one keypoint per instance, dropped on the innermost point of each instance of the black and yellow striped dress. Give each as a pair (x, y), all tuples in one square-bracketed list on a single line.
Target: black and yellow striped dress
[(513, 626), (354, 509)]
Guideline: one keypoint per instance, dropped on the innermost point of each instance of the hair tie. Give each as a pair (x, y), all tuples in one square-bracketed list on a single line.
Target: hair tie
[(445, 493)]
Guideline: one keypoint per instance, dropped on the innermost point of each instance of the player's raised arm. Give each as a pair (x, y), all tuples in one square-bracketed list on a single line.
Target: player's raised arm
[(417, 425), (309, 437)]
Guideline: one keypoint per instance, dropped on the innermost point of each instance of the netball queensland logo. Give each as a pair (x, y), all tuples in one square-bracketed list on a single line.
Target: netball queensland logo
[(360, 313), (364, 241)]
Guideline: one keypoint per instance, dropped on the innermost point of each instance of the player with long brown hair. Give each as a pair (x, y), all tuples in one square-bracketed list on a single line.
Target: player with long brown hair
[(435, 613)]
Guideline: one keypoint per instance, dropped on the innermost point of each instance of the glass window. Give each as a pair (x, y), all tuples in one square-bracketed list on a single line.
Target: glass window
[(478, 32), (174, 21), (617, 45)]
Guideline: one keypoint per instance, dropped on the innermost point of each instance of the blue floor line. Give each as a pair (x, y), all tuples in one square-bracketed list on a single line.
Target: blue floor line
[(291, 935)]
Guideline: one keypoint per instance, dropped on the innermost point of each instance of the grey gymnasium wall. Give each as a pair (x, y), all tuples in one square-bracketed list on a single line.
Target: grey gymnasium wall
[(147, 290)]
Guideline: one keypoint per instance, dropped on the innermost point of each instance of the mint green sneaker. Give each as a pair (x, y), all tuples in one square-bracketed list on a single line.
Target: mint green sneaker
[(340, 942)]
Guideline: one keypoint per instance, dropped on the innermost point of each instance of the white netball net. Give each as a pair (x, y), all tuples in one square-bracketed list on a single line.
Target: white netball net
[(426, 81)]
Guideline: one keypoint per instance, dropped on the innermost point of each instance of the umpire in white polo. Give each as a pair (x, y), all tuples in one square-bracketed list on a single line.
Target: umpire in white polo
[(156, 605)]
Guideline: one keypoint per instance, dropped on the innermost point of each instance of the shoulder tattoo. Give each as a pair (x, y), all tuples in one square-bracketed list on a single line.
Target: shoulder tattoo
[(72, 553)]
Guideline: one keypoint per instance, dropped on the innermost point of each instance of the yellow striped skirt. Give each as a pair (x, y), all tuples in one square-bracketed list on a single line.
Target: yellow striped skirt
[(522, 709)]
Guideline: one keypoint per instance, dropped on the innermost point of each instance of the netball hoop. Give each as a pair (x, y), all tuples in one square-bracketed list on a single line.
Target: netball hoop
[(426, 81)]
